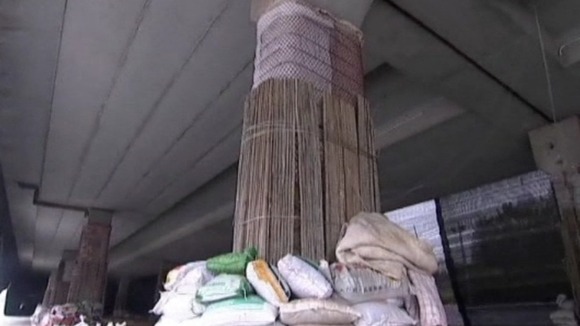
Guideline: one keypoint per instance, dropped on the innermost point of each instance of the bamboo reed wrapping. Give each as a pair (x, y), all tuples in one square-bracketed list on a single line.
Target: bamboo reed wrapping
[(307, 164)]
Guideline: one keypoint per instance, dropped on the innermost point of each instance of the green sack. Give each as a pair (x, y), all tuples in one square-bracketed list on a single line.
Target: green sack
[(224, 287), (232, 263)]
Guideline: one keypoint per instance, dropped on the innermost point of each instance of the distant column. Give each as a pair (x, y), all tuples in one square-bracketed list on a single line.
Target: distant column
[(89, 275), (49, 293), (557, 151), (59, 280), (68, 263), (122, 296)]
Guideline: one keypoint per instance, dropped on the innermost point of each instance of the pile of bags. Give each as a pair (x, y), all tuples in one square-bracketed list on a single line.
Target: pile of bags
[(371, 284)]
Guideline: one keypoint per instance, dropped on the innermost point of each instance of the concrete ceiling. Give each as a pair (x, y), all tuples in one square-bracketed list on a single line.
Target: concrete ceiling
[(135, 106)]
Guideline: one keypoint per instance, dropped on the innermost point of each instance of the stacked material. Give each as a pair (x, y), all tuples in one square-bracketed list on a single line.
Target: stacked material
[(307, 160), (383, 277)]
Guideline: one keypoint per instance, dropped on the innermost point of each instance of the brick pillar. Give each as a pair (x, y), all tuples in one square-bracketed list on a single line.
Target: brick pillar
[(68, 263), (122, 296), (557, 152), (89, 275), (49, 293)]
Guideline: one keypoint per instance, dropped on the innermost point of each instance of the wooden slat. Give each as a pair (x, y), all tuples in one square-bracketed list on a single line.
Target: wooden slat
[(364, 168), (350, 155), (310, 175)]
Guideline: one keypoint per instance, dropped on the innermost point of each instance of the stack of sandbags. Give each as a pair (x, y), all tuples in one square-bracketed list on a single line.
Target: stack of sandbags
[(249, 291), (377, 254), (383, 277)]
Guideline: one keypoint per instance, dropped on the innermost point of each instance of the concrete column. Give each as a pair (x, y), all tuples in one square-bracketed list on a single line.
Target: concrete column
[(122, 296), (89, 275), (49, 293), (68, 263), (556, 151), (59, 280), (307, 160)]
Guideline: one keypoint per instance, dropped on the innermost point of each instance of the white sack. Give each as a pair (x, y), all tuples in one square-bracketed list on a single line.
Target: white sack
[(188, 278), (165, 321), (358, 284), (250, 311), (178, 307), (319, 312), (304, 280), (267, 282), (382, 314)]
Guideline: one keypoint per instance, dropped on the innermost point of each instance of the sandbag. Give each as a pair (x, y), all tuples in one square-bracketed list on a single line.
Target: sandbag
[(315, 311), (250, 311), (375, 242), (358, 284), (224, 287), (267, 282), (382, 314), (232, 263), (304, 280), (188, 278), (179, 307)]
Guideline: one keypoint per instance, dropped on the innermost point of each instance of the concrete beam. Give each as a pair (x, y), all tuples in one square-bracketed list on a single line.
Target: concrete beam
[(417, 53), (402, 108), (209, 205), (508, 48)]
